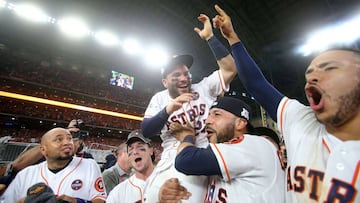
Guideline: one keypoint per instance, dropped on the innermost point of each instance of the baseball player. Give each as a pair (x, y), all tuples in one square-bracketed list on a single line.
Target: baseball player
[(243, 167), (71, 178), (132, 189), (322, 140), (185, 103)]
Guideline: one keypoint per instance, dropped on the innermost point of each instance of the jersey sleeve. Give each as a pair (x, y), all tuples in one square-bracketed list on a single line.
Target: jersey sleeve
[(13, 192), (214, 84), (295, 120), (114, 195), (154, 106), (97, 190)]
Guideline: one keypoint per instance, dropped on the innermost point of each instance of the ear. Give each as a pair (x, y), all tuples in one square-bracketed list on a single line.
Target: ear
[(240, 124), (165, 83), (43, 150)]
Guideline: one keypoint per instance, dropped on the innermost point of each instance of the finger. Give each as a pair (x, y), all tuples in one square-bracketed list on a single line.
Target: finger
[(197, 30), (203, 18), (220, 11)]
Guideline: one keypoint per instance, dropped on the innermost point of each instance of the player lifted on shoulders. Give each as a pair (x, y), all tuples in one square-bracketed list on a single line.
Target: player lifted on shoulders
[(185, 103)]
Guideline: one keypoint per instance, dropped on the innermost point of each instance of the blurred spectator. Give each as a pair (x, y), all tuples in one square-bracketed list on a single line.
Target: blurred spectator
[(120, 171)]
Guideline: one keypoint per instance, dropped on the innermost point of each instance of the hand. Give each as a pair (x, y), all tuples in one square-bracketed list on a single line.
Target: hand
[(177, 103), (66, 198), (172, 192), (181, 131), (223, 21), (206, 33)]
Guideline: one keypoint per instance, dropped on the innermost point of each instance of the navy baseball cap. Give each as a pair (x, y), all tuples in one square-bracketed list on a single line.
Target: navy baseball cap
[(236, 107), (40, 193), (184, 59), (136, 135)]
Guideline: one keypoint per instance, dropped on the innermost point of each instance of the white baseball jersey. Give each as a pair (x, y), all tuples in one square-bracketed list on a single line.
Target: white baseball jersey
[(80, 179), (251, 172), (321, 168), (195, 113), (128, 191)]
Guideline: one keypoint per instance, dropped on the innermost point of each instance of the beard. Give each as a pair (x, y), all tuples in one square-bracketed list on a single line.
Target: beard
[(64, 157), (227, 133), (349, 105)]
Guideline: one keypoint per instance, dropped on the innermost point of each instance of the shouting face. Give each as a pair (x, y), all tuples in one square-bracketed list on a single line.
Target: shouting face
[(333, 86)]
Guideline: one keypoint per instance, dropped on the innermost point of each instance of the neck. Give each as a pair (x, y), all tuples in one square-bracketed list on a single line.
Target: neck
[(347, 131), (57, 164), (145, 174), (124, 168)]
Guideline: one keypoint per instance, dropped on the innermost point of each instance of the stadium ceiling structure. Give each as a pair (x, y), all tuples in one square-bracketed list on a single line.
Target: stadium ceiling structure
[(271, 30)]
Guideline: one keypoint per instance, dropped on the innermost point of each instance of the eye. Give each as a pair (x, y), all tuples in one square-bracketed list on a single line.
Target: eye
[(330, 68)]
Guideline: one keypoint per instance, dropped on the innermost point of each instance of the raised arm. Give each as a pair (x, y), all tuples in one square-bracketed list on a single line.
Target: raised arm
[(224, 59), (248, 71)]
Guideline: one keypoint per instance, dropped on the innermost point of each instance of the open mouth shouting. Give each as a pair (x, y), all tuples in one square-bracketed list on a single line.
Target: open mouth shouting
[(209, 131), (315, 97)]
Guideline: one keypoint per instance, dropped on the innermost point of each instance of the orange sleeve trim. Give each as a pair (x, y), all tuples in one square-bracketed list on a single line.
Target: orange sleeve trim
[(42, 174), (221, 81), (223, 161), (282, 113), (326, 145), (356, 175)]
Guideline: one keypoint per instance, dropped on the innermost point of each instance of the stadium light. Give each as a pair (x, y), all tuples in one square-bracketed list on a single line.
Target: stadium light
[(341, 34), (2, 4), (156, 57), (73, 27), (31, 13), (106, 38), (131, 46)]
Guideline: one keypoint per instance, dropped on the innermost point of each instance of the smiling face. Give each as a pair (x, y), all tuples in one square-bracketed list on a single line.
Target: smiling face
[(57, 144), (178, 81), (333, 86), (140, 156)]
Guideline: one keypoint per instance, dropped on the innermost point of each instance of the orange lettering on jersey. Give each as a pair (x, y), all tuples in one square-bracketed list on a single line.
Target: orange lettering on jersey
[(288, 177)]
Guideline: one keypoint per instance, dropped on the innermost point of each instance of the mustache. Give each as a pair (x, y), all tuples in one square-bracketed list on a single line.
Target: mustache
[(210, 128)]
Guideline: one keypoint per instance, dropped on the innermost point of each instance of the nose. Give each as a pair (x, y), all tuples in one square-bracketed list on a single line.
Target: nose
[(208, 120), (313, 77)]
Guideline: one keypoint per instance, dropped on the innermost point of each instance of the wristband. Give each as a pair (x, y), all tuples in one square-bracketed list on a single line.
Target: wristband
[(217, 48), (189, 139)]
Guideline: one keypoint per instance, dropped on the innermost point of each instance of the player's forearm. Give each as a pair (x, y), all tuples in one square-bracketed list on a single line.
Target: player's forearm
[(152, 126), (224, 59), (255, 82), (27, 158), (197, 161)]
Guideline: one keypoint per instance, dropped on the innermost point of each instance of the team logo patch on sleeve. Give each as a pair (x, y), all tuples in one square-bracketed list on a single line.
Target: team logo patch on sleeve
[(99, 184), (76, 184)]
